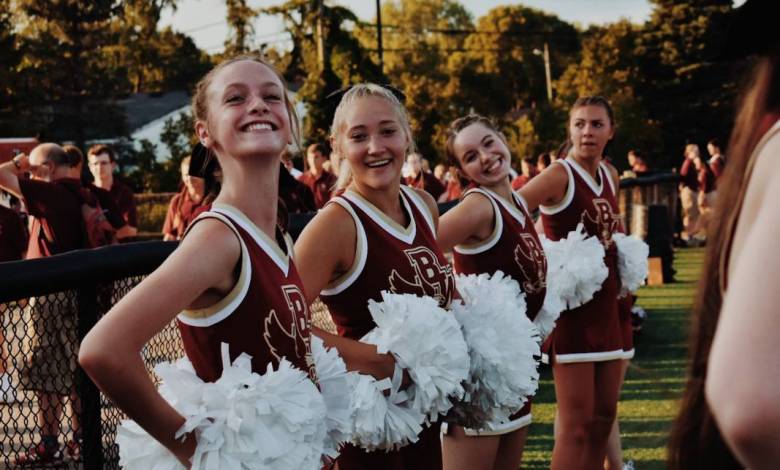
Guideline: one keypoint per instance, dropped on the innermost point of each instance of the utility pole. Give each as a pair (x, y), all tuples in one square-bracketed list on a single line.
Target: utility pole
[(320, 38), (379, 34), (546, 56)]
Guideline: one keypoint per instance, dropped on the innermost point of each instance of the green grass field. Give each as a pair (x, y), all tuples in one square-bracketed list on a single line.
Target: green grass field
[(654, 381)]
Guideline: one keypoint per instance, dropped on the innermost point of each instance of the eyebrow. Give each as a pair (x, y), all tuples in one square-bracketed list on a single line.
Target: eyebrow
[(268, 84), (487, 136)]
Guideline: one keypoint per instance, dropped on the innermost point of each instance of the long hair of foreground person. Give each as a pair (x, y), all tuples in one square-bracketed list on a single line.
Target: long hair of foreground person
[(695, 441)]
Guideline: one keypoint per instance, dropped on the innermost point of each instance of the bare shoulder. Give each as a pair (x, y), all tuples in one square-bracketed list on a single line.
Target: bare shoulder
[(613, 173), (210, 244), (331, 224), (547, 188), (429, 201)]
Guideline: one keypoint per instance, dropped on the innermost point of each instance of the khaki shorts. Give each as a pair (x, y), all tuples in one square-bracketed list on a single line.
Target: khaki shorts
[(52, 345)]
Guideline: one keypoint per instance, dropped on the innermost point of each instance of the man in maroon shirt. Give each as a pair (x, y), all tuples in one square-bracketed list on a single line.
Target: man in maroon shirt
[(420, 179), (52, 200), (102, 163), (319, 180)]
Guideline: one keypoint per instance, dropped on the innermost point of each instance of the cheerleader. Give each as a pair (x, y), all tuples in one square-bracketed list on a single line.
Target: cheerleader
[(586, 346), (231, 280), (376, 236), (490, 230)]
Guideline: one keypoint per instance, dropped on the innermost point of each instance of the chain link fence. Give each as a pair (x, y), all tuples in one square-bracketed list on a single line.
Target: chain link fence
[(46, 307)]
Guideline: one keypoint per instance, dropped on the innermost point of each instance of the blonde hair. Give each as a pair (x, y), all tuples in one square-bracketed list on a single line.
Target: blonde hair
[(200, 98), (356, 92)]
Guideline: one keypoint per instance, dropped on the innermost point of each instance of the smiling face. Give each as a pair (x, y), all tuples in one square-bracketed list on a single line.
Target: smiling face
[(247, 112), (373, 142), (482, 155), (590, 129)]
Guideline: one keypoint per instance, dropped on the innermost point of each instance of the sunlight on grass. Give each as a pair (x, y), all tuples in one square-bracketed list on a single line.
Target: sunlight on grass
[(655, 380)]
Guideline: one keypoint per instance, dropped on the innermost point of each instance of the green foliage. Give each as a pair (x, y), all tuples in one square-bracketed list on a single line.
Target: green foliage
[(684, 84), (321, 70), (240, 29), (151, 216), (609, 67), (521, 138)]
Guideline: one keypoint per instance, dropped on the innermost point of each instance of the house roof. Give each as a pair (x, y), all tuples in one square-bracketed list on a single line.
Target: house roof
[(143, 108)]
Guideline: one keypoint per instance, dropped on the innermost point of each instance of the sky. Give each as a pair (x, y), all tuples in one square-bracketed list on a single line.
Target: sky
[(204, 20)]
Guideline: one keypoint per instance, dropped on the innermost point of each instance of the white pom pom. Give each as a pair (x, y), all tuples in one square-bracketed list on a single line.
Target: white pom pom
[(138, 450), (245, 420), (336, 387), (427, 341), (632, 262), (503, 344), (575, 267), (549, 313), (383, 421)]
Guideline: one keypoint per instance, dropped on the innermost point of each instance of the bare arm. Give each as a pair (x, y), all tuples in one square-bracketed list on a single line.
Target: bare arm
[(742, 387), (548, 188), (471, 221), (325, 250), (9, 175), (110, 353)]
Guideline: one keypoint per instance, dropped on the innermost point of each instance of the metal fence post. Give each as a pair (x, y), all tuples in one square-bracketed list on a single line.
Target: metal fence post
[(89, 395)]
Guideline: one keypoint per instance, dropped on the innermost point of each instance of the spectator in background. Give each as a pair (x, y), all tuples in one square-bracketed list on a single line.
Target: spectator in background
[(13, 243), (107, 204), (419, 179), (52, 198), (705, 199), (637, 163), (184, 204), (440, 172), (320, 181), (102, 163), (455, 185), (527, 171), (689, 189), (297, 197), (542, 162), (426, 165), (287, 161), (717, 160)]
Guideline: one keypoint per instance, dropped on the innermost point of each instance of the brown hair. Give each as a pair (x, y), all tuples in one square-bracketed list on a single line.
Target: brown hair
[(102, 148), (594, 101), (461, 123), (75, 157), (695, 441), (200, 98)]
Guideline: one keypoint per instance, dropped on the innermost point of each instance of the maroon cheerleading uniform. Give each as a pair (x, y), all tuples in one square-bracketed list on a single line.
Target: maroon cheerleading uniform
[(513, 248), (590, 332), (265, 314), (402, 260)]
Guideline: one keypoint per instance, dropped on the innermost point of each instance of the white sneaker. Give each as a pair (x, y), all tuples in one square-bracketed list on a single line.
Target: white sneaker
[(629, 465), (7, 392)]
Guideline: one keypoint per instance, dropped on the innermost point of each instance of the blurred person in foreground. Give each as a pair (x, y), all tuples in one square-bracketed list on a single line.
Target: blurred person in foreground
[(729, 416)]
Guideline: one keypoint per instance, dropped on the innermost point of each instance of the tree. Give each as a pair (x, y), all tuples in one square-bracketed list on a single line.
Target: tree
[(421, 57), (680, 62), (325, 57), (64, 80), (240, 29), (609, 67), (10, 58)]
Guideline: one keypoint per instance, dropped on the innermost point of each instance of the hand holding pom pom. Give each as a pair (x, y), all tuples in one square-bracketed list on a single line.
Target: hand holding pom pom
[(575, 267), (632, 262), (243, 420), (503, 345), (427, 342)]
